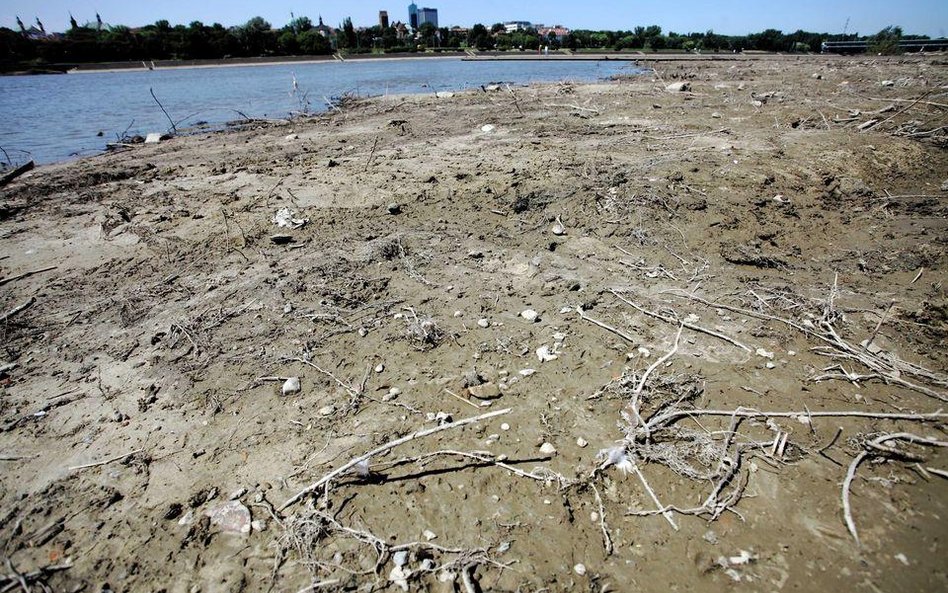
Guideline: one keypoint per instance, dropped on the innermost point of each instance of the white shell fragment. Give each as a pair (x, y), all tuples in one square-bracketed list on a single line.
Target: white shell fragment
[(291, 386)]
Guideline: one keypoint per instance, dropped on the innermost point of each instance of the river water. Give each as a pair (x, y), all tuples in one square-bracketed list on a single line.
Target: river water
[(58, 117)]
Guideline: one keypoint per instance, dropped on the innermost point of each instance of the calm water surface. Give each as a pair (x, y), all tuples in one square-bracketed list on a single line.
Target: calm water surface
[(56, 118)]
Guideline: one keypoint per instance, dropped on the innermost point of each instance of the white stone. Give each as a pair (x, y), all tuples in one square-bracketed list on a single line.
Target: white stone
[(544, 354), (566, 310), (764, 354), (530, 315), (153, 138), (644, 352), (379, 368), (400, 558), (581, 442), (580, 569), (429, 535), (483, 323), (678, 87), (547, 449), (527, 372), (487, 128), (291, 386), (327, 410), (505, 426)]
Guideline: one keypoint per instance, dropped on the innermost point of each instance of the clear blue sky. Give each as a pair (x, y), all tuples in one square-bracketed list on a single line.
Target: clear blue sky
[(929, 17)]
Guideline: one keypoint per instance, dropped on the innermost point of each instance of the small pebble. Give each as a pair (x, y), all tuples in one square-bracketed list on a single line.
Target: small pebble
[(291, 386), (505, 426), (530, 315), (379, 368), (483, 323), (581, 442), (580, 569), (429, 535), (547, 449), (327, 410), (400, 558)]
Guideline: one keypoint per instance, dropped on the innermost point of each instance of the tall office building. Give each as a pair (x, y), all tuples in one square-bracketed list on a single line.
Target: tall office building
[(383, 19), (428, 15), (413, 15)]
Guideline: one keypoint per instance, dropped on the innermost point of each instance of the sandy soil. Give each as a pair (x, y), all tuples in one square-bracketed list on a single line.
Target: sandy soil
[(757, 205)]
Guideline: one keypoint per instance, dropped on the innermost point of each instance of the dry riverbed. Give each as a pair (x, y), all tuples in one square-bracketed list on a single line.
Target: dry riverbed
[(621, 278)]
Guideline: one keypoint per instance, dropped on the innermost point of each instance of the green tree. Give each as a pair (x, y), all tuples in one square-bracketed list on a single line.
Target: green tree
[(347, 36), (886, 41), (312, 43), (427, 34), (478, 37)]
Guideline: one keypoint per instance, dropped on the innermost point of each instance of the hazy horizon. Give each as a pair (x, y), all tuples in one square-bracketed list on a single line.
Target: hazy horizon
[(728, 17)]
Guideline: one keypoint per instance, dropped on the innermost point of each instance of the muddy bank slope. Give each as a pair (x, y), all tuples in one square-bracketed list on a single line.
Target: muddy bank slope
[(618, 272)]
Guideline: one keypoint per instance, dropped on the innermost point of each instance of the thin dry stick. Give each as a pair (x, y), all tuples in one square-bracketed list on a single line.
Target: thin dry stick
[(25, 275), (458, 397), (606, 539), (19, 308), (667, 514), (483, 458), (659, 362), (384, 448), (691, 326), (349, 388), (105, 461), (851, 473), (605, 326), (752, 413), (171, 121)]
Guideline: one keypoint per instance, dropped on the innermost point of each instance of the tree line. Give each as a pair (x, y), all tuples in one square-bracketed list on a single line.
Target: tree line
[(97, 42)]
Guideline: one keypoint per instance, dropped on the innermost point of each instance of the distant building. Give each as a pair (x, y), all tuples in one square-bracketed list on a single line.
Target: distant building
[(383, 19), (513, 26), (428, 15), (323, 29), (413, 15), (557, 31), (401, 31)]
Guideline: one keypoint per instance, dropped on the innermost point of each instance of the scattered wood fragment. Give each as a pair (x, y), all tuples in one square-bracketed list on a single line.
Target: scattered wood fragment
[(690, 326), (605, 326), (105, 461), (19, 308), (876, 444), (383, 449), (9, 279), (8, 177)]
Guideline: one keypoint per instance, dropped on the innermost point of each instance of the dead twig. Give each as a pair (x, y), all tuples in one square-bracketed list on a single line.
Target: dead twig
[(105, 461), (876, 447), (383, 449), (9, 314), (9, 279), (687, 324)]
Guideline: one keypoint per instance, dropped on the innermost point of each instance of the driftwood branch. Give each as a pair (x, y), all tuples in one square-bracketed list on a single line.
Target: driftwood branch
[(879, 445), (21, 307), (105, 461), (9, 279), (383, 449)]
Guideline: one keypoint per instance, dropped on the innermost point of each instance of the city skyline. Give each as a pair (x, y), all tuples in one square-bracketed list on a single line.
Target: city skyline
[(728, 17)]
